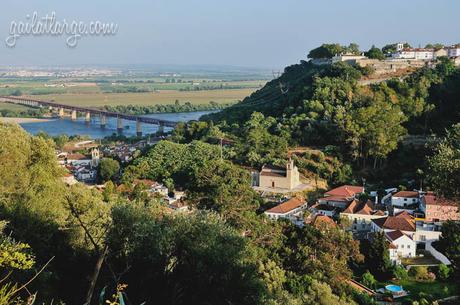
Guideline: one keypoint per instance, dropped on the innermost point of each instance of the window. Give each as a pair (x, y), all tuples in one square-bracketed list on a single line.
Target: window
[(422, 237), (402, 246), (408, 246)]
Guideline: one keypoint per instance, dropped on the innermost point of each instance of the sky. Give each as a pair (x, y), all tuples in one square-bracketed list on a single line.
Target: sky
[(249, 33)]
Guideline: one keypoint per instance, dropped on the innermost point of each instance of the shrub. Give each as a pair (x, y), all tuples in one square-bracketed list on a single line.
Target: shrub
[(368, 280), (400, 273), (421, 274), (443, 272)]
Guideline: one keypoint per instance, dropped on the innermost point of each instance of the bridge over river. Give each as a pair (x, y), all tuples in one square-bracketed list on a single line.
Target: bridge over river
[(61, 108)]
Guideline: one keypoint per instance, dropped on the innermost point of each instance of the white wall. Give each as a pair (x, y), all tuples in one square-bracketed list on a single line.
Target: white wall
[(400, 201)]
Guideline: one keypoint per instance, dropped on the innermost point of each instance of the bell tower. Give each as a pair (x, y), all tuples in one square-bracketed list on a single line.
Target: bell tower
[(95, 157)]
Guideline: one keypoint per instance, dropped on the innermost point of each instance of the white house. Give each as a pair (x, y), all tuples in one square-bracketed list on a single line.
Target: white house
[(410, 53), (325, 209), (403, 222), (401, 246), (453, 51), (361, 215), (405, 201), (291, 209)]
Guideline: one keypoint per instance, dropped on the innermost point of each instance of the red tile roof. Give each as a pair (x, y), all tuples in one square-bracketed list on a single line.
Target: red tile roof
[(322, 221), (323, 207), (394, 235), (345, 191), (362, 208), (433, 200), (77, 157), (395, 223), (287, 206), (334, 198), (406, 194)]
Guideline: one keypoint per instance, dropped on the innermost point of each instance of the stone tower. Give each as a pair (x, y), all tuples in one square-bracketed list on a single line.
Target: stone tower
[(292, 174), (95, 157)]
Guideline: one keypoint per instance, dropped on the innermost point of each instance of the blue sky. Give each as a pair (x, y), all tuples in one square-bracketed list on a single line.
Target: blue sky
[(252, 33)]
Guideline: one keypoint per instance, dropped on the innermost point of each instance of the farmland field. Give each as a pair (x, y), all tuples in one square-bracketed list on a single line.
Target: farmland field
[(148, 98)]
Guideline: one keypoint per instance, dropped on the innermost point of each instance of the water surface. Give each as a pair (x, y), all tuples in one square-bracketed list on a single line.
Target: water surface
[(80, 127)]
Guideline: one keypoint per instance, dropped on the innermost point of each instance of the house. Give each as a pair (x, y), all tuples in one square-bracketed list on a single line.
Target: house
[(69, 179), (341, 197), (419, 231), (438, 209), (335, 201), (77, 160), (413, 53), (321, 222), (453, 51), (441, 52), (403, 222), (85, 174), (279, 177), (349, 191), (325, 209), (361, 215), (291, 209), (349, 58), (152, 186), (405, 200), (401, 246)]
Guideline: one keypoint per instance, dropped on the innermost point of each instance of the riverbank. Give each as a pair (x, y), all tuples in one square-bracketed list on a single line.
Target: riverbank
[(23, 120)]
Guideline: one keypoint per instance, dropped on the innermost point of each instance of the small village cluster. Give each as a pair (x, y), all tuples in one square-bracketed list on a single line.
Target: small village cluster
[(409, 220), (82, 166)]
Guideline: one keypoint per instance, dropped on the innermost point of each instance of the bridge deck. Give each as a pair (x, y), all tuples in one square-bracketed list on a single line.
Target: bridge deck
[(147, 120)]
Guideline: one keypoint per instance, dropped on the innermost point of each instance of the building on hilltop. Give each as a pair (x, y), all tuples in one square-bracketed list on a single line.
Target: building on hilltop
[(274, 177)]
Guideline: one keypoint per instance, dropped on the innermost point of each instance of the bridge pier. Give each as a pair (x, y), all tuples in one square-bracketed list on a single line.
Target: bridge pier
[(138, 128), (73, 116), (161, 129), (119, 125), (103, 121), (88, 117), (61, 112)]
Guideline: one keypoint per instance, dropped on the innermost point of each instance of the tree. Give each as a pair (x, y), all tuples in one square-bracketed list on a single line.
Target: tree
[(108, 168), (368, 280), (443, 272), (377, 256), (223, 187), (375, 53), (449, 243), (325, 51), (444, 165), (182, 257), (400, 273), (321, 294), (391, 48)]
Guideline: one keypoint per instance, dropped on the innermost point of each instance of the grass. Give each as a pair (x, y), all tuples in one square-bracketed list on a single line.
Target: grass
[(95, 93), (434, 290), (149, 98), (427, 259), (12, 107)]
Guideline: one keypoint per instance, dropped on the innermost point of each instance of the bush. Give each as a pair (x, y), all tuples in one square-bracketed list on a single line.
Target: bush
[(400, 273), (368, 280), (443, 272), (421, 274)]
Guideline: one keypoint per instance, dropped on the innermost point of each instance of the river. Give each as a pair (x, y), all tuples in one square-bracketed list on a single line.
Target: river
[(66, 126)]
